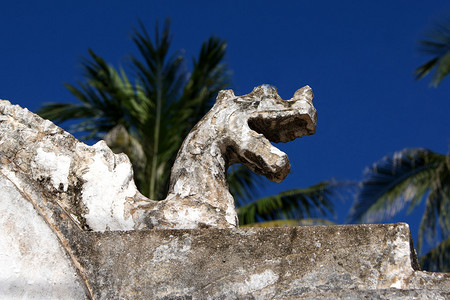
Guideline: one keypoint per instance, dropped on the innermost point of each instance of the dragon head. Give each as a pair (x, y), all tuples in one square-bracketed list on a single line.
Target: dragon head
[(261, 117)]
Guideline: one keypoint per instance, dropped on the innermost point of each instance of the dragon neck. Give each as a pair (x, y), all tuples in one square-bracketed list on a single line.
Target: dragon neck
[(201, 160)]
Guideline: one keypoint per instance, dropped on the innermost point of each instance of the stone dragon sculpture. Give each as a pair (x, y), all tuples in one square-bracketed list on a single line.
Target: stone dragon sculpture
[(70, 216), (238, 129), (94, 187)]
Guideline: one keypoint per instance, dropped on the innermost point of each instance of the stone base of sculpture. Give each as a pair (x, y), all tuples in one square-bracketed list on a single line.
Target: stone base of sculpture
[(74, 226), (310, 262)]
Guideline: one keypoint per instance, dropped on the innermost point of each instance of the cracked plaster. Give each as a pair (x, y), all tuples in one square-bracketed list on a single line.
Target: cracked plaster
[(72, 219)]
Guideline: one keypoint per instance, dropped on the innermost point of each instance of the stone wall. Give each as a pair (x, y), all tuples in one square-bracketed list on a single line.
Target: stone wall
[(48, 251)]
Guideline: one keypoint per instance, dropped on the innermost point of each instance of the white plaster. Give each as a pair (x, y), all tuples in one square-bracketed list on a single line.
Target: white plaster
[(33, 265), (105, 192), (198, 170), (186, 217), (398, 284), (108, 192), (267, 89), (399, 268), (276, 151), (231, 215), (48, 164), (256, 282), (180, 190), (49, 128), (173, 250)]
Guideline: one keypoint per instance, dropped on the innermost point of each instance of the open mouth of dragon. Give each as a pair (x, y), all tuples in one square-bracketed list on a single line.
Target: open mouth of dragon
[(284, 127)]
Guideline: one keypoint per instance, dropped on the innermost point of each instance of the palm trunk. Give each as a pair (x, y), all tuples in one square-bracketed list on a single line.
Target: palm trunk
[(153, 176)]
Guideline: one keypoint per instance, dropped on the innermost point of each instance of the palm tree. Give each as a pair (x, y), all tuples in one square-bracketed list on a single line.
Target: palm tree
[(405, 179), (411, 176), (438, 258), (149, 118), (436, 44), (295, 207)]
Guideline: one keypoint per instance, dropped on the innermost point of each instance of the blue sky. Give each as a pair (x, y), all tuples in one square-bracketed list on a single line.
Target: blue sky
[(358, 57)]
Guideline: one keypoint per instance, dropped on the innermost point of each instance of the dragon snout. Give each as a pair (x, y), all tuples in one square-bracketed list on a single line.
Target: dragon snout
[(263, 117), (285, 120), (304, 93), (267, 161)]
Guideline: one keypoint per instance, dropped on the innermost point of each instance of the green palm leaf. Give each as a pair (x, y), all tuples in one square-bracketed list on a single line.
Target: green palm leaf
[(160, 76), (177, 101), (405, 179), (438, 259), (208, 77), (149, 119), (103, 100), (291, 223), (242, 183), (293, 204), (437, 45)]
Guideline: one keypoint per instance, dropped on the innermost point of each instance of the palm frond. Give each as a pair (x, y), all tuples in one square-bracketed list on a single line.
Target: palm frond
[(426, 68), (242, 183), (208, 77), (176, 100), (60, 112), (436, 44), (437, 259), (161, 77), (103, 100), (436, 218), (442, 69), (405, 179), (291, 223), (293, 204)]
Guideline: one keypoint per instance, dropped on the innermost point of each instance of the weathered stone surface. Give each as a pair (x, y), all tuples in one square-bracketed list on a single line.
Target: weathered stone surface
[(251, 262), (33, 264), (262, 263), (64, 206), (91, 184), (238, 129), (96, 187)]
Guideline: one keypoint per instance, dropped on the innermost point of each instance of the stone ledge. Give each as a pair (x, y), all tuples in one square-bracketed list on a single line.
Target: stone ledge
[(329, 261), (310, 262), (45, 251)]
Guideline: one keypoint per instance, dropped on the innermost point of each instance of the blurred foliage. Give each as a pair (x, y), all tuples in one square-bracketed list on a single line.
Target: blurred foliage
[(437, 45), (148, 118), (296, 206), (438, 259), (405, 179), (147, 112)]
